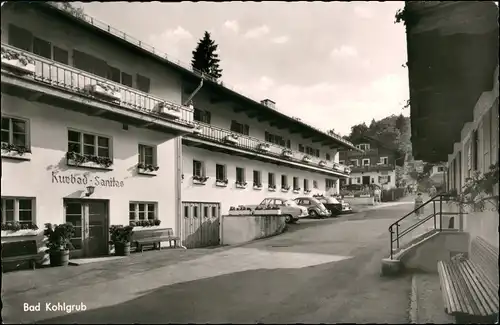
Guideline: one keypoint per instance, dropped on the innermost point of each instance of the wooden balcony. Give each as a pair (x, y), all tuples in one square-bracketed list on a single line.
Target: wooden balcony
[(35, 78), (372, 168), (217, 139)]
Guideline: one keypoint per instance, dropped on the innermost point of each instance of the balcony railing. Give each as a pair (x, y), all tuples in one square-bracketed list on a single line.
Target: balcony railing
[(216, 134), (371, 168), (69, 78)]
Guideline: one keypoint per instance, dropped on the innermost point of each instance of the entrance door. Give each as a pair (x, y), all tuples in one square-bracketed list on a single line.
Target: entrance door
[(201, 224), (90, 219), (366, 180)]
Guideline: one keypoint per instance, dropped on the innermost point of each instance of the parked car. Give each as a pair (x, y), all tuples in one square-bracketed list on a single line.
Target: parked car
[(289, 208), (314, 207), (335, 205)]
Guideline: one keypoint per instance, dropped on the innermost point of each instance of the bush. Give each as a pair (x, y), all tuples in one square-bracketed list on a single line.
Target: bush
[(59, 236), (120, 234)]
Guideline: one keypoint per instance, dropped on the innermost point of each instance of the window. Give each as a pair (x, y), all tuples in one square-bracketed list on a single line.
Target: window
[(147, 155), (271, 179), (330, 183), (328, 158), (366, 161), (354, 162), (342, 162), (60, 55), (284, 181), (91, 64), (276, 139), (384, 160), (15, 132), (240, 128), (358, 180), (475, 150), (143, 83), (486, 141), (373, 180), (363, 146), (18, 210), (118, 76), (89, 144), (240, 175), (308, 150), (301, 148), (142, 211), (198, 168), (42, 48), (202, 116), (20, 38), (257, 178), (126, 79), (220, 173), (306, 184), (315, 184), (440, 169), (388, 178), (296, 183)]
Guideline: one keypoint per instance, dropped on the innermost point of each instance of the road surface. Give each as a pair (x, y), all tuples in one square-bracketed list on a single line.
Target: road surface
[(319, 271)]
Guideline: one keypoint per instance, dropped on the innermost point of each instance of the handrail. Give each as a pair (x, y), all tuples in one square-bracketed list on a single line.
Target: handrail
[(414, 210)]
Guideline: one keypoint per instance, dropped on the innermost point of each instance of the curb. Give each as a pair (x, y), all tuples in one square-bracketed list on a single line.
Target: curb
[(413, 311)]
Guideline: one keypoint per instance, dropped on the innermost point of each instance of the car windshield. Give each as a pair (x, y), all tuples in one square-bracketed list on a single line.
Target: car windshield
[(291, 203), (330, 200)]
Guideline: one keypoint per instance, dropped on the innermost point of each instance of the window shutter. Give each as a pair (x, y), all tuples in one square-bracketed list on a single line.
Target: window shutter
[(42, 48), (20, 38), (61, 55)]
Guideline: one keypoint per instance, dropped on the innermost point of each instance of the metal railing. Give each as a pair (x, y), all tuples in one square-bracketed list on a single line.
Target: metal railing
[(124, 36), (437, 216), (217, 134), (69, 78)]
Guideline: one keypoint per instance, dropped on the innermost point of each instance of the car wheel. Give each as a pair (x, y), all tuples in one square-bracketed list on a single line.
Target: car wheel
[(288, 219), (295, 220), (313, 214)]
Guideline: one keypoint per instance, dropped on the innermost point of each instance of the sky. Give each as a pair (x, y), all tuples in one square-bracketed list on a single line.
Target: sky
[(331, 64)]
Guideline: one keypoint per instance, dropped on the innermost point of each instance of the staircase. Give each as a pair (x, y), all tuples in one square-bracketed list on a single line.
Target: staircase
[(407, 234)]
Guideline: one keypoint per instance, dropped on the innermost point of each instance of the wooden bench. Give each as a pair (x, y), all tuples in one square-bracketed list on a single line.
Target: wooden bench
[(20, 251), (470, 285), (154, 237)]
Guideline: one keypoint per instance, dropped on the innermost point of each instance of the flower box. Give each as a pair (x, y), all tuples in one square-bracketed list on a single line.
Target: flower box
[(200, 180), (338, 167), (18, 65), (105, 90), (139, 228), (241, 185), (307, 159), (221, 183), (79, 160), (257, 187), (364, 195), (347, 170), (322, 163), (296, 190), (15, 152), (307, 191), (168, 109), (267, 212), (147, 169), (232, 138), (21, 232), (264, 147), (285, 189), (240, 212), (287, 153), (197, 130), (271, 189)]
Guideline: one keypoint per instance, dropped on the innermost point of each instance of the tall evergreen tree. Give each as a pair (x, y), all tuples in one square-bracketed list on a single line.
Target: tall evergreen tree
[(204, 57)]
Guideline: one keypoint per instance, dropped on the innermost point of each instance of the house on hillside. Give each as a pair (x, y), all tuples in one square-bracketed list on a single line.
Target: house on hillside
[(96, 131), (437, 175), (373, 164)]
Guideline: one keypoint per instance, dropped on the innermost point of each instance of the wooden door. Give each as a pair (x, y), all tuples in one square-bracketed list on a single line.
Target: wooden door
[(200, 224)]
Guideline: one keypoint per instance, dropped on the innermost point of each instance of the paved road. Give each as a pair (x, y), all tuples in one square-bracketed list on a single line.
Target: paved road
[(320, 271)]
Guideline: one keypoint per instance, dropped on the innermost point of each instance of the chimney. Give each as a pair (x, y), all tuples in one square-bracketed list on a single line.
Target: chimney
[(269, 103)]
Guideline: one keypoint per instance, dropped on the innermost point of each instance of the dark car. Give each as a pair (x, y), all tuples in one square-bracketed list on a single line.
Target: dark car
[(331, 204)]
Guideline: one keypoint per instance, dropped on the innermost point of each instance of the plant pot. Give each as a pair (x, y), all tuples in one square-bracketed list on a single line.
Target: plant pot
[(122, 249), (59, 258)]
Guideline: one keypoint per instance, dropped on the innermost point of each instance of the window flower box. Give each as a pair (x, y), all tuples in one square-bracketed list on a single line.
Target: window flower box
[(198, 130), (240, 211), (232, 138), (142, 225), (15, 229), (267, 210), (15, 152), (307, 159), (171, 110), (106, 91), (347, 170), (200, 180), (18, 61), (307, 191), (287, 153), (271, 188), (285, 189), (265, 147), (89, 161), (257, 186), (241, 184), (147, 169), (338, 167), (221, 182), (296, 190), (322, 163)]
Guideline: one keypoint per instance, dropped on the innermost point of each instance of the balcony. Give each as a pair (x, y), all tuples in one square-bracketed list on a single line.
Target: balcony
[(217, 139), (372, 168), (33, 77)]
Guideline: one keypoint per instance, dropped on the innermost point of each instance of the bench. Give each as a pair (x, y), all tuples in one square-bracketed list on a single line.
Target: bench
[(154, 237), (20, 251), (470, 285)]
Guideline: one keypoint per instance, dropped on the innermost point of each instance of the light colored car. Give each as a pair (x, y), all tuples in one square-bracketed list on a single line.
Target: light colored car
[(314, 206), (289, 208)]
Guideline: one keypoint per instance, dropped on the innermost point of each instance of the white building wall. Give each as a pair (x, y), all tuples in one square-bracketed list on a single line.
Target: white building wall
[(232, 196), (49, 143), (357, 178)]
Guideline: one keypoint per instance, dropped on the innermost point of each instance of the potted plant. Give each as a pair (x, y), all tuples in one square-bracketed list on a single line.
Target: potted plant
[(121, 237), (59, 242)]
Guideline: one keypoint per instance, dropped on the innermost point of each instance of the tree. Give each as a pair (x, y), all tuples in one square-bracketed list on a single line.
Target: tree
[(204, 57), (69, 7)]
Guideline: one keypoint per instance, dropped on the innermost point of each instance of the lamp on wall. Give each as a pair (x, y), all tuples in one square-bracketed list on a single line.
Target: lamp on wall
[(90, 190)]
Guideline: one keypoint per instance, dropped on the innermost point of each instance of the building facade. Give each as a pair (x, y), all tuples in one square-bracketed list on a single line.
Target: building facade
[(96, 132), (373, 164)]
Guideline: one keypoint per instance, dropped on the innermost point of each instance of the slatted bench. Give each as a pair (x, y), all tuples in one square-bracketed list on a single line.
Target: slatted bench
[(20, 251), (470, 285), (154, 237)]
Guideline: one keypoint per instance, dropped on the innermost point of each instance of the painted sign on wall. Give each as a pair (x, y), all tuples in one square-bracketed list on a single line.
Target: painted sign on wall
[(97, 181)]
